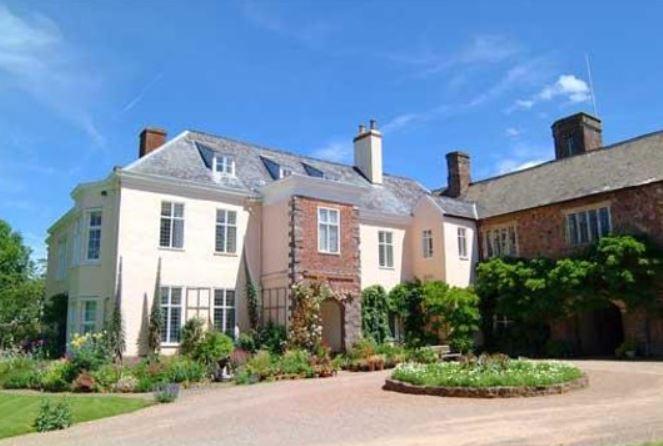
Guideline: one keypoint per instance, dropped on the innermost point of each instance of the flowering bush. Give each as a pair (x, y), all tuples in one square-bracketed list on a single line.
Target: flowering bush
[(486, 372), (90, 351)]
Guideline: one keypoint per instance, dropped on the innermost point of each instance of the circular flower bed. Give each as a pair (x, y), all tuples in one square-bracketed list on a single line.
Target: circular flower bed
[(494, 376)]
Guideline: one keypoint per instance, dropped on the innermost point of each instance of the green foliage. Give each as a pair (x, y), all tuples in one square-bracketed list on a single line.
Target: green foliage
[(247, 341), (22, 378), (532, 293), (626, 348), (53, 416), (259, 367), (115, 331), (213, 348), (90, 351), (405, 300), (184, 370), (106, 377), (57, 376), (487, 372), (295, 363), (192, 335), (251, 298), (54, 325), (424, 355), (452, 312), (155, 322), (375, 313), (21, 291), (273, 338)]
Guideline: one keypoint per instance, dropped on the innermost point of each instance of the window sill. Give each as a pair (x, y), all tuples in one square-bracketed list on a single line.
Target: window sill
[(387, 268), (464, 259), (166, 248), (327, 253), (90, 263), (170, 344), (225, 254)]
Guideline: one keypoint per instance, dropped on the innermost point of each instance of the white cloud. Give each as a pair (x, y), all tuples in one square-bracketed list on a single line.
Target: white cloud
[(336, 151), (35, 58), (512, 165), (512, 132), (568, 87)]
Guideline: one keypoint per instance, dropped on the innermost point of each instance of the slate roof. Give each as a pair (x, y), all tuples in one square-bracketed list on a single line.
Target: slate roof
[(189, 157), (628, 163)]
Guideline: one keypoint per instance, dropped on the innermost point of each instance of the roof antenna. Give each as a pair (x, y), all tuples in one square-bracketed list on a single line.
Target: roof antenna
[(591, 84)]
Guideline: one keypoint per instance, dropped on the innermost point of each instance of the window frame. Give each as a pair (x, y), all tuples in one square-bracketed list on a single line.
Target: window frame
[(172, 218), (82, 313), (225, 311), (386, 244), (89, 230), (427, 247), (584, 213), (226, 229), (461, 235), (227, 163), (500, 240), (167, 311), (329, 226)]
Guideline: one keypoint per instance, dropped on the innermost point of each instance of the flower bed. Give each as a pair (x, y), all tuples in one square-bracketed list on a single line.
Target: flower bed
[(487, 377)]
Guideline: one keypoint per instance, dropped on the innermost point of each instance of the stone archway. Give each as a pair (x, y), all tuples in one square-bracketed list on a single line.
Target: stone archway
[(332, 315), (601, 331)]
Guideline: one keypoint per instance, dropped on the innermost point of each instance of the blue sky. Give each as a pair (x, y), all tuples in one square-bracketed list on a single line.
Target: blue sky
[(79, 80)]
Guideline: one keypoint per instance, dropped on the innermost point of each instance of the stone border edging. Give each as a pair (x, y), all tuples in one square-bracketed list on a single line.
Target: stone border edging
[(486, 392)]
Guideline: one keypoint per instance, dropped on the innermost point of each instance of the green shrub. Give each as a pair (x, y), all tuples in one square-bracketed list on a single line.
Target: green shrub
[(23, 379), (247, 341), (192, 335), (214, 347), (57, 376), (272, 337), (53, 416), (629, 345), (362, 349), (167, 393), (424, 355), (295, 362), (149, 374), (405, 301), (107, 376), (259, 367), (393, 354), (185, 370), (375, 313), (90, 351)]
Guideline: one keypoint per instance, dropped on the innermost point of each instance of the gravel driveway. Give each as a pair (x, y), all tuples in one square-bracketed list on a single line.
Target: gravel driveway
[(623, 405)]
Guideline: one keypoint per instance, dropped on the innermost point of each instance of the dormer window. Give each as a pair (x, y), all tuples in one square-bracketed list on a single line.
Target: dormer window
[(223, 165), (283, 172), (312, 171)]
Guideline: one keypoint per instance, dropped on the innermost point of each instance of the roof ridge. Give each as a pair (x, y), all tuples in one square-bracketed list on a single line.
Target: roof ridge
[(602, 149), (289, 152)]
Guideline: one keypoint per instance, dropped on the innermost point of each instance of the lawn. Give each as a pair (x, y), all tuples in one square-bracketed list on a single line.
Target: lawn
[(17, 412)]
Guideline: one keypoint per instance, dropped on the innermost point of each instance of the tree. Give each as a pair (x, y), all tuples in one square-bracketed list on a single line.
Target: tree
[(155, 326), (115, 329), (21, 291), (251, 298)]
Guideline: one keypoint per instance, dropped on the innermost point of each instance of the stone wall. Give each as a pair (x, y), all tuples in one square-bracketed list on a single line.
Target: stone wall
[(342, 271), (542, 231)]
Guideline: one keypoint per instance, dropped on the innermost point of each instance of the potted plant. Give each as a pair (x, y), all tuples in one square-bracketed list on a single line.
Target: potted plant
[(627, 349)]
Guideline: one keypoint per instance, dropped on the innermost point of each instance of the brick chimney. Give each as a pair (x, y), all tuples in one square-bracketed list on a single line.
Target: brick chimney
[(576, 134), (458, 168), (151, 138), (368, 152)]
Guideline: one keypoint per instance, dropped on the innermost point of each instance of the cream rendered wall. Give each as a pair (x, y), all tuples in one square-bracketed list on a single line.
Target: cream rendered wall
[(85, 279), (275, 244), (196, 265), (427, 216), (459, 271), (371, 272)]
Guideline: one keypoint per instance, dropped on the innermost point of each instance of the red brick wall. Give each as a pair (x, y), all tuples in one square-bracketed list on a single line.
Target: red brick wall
[(342, 271), (541, 231)]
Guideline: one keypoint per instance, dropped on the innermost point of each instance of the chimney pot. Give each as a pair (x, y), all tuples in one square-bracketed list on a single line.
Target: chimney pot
[(373, 124), (151, 138), (362, 129)]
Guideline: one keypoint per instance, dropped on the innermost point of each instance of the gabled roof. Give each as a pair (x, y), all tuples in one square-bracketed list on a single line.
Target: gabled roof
[(628, 163), (189, 157)]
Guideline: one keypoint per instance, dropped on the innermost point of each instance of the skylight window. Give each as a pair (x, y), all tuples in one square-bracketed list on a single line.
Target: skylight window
[(312, 171), (223, 165), (276, 171)]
